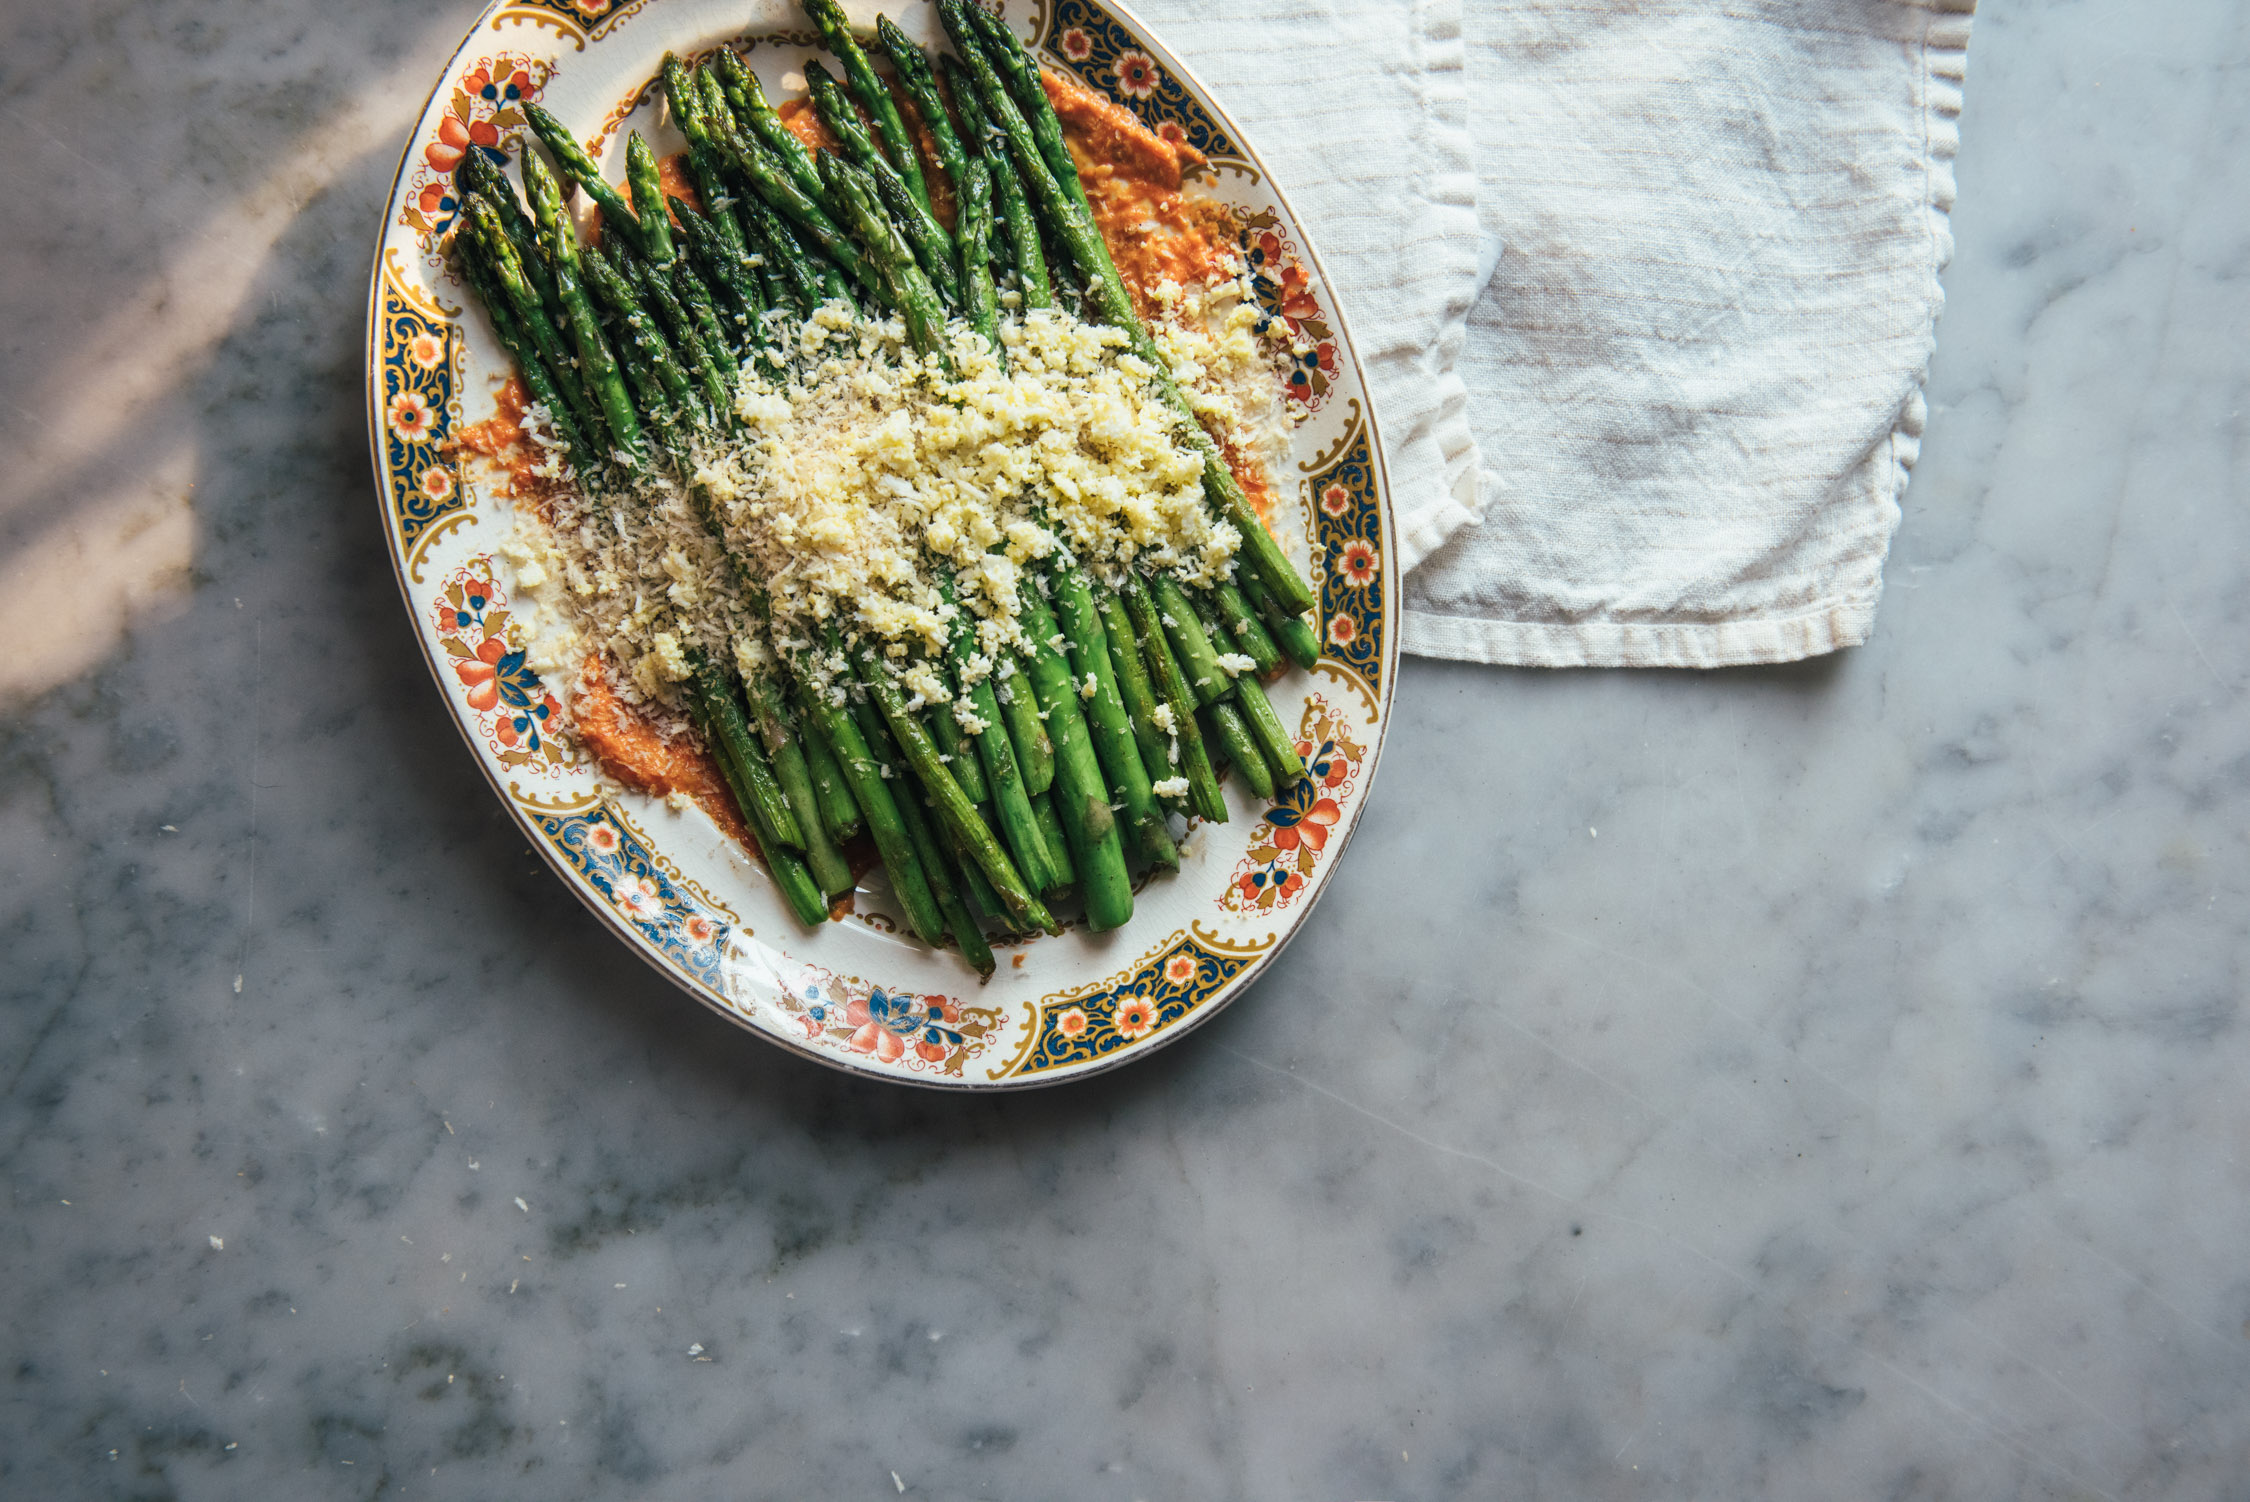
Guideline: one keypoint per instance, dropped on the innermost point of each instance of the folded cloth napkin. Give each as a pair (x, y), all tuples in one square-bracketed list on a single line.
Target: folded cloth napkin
[(1674, 428), (1360, 108)]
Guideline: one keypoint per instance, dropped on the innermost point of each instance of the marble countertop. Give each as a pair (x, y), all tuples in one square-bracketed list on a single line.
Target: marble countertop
[(1819, 1082)]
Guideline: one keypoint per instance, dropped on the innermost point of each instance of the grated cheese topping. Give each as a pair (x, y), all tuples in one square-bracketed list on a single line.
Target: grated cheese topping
[(638, 583), (878, 498), (868, 465), (1233, 375)]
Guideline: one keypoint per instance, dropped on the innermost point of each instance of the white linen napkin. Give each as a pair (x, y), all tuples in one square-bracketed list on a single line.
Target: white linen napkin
[(1360, 109), (1694, 374)]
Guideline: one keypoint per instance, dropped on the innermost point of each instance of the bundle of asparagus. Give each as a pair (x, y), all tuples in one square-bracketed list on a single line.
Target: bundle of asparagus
[(1123, 695)]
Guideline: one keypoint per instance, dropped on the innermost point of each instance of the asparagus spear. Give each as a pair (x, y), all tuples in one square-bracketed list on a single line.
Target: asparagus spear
[(597, 363), (493, 250), (836, 33), (980, 301), (1290, 630), (871, 784), (580, 168), (785, 258), (839, 810), (953, 807), (528, 360), (1172, 687), (731, 274), (771, 814), (788, 872), (1190, 642), (1243, 625), (1025, 254), (1011, 803), (807, 264), (1273, 738), (696, 296), (916, 813), (648, 196), (1134, 688), (747, 98), (1051, 829), (641, 335), (700, 364), (1016, 66), (478, 174), (1233, 737), (1112, 728), (913, 65), (759, 168), (932, 247), (752, 784), (897, 273), (959, 756), (982, 900), (703, 153), (960, 920), (1081, 796), (1027, 733), (1274, 742)]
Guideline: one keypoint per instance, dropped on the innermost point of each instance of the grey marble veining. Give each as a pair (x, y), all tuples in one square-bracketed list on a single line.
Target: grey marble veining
[(1821, 1082)]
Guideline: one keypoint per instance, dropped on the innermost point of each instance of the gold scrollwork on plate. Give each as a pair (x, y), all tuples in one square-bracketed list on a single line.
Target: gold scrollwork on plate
[(1348, 677), (542, 18), (1090, 1022), (416, 296), (1211, 938), (1334, 451), (557, 803), (436, 530), (618, 113), (777, 39)]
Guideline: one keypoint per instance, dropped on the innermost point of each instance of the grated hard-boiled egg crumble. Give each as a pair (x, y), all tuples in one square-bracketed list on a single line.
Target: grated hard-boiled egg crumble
[(877, 499)]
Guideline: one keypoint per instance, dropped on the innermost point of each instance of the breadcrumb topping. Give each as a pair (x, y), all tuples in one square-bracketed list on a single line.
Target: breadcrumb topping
[(875, 497)]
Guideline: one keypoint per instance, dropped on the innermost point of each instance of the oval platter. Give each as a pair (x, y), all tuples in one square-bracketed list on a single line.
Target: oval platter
[(858, 994)]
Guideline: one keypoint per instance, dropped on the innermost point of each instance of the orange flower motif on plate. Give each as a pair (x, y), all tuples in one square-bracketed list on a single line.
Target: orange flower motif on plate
[(923, 1034), (486, 106), (1137, 75), (1136, 1015), (1287, 846), (411, 416), (513, 710)]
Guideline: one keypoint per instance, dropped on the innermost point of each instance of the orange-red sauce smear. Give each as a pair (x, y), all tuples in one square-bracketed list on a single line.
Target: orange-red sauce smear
[(637, 754), (1155, 231), (501, 442)]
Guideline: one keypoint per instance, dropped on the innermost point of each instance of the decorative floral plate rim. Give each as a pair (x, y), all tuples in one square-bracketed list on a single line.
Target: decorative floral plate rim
[(679, 900)]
